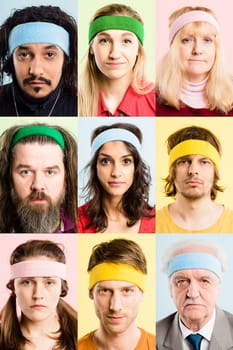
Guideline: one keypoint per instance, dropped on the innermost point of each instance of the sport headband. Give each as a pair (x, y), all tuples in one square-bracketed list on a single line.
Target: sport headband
[(38, 32), (187, 147), (116, 272), (190, 261), (116, 22), (189, 17), (115, 134), (42, 130), (38, 268)]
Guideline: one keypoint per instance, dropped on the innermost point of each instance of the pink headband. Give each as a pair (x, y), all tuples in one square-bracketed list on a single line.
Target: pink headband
[(38, 268), (189, 17)]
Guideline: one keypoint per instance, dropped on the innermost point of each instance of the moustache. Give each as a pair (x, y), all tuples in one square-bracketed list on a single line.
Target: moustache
[(38, 196), (27, 81), (191, 302)]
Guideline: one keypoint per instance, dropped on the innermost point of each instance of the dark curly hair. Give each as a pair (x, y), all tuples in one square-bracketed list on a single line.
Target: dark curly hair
[(52, 14), (135, 202)]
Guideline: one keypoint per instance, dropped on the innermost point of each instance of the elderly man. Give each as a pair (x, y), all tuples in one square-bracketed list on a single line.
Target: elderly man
[(116, 285), (194, 269), (38, 51), (194, 154), (38, 180)]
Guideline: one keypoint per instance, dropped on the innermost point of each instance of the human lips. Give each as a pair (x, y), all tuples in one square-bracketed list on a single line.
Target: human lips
[(116, 183), (37, 306), (115, 319), (193, 182)]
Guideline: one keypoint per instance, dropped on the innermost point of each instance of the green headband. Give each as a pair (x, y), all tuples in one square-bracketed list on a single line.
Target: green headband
[(38, 130), (116, 22)]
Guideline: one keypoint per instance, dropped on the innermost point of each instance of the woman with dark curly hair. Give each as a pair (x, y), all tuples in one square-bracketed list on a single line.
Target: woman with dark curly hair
[(37, 283), (117, 191), (38, 51)]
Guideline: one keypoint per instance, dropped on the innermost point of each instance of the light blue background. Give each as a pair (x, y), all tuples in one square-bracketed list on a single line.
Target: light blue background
[(88, 124), (164, 302)]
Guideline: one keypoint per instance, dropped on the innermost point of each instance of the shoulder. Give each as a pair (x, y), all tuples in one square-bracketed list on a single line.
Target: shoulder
[(83, 219), (146, 341), (163, 326), (138, 103), (86, 342), (148, 222)]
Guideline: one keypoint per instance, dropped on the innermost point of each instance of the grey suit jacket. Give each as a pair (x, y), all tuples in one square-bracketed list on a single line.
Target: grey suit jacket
[(168, 335)]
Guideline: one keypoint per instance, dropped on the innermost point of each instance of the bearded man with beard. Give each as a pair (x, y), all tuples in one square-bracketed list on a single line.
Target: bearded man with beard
[(38, 180), (194, 154)]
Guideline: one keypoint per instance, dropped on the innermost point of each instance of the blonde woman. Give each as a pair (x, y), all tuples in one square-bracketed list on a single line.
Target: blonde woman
[(192, 77), (113, 82)]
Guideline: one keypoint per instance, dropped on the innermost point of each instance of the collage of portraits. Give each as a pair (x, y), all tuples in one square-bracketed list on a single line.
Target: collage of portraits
[(116, 211)]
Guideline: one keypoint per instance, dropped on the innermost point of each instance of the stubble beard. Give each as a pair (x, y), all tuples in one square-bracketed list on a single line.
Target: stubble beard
[(37, 218)]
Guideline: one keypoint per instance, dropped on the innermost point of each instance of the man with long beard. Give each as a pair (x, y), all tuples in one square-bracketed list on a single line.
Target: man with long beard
[(194, 154), (38, 180)]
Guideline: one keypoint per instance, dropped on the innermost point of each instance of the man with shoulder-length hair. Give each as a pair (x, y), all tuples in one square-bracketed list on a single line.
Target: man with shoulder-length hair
[(116, 285), (38, 180), (38, 51), (194, 155)]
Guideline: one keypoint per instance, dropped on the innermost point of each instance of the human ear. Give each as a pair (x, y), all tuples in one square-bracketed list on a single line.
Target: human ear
[(91, 294)]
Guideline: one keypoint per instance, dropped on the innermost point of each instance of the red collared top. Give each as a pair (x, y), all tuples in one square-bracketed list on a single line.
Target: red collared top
[(132, 105)]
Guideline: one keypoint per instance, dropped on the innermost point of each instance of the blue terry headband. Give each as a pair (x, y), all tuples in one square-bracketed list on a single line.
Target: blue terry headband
[(115, 134), (38, 32), (195, 261)]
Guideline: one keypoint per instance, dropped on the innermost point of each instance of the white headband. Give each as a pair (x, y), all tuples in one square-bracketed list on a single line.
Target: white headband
[(189, 17), (38, 268)]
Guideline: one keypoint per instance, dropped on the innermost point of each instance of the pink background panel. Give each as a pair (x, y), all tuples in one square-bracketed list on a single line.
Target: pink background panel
[(222, 9), (8, 242)]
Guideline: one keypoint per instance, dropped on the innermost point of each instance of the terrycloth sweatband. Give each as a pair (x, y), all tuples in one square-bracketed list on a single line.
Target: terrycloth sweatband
[(187, 147), (189, 17), (115, 134), (34, 130), (38, 268), (116, 272), (116, 22), (38, 32), (193, 261)]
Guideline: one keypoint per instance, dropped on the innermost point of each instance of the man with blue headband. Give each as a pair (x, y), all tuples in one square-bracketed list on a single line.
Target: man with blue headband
[(38, 52), (38, 180), (195, 268)]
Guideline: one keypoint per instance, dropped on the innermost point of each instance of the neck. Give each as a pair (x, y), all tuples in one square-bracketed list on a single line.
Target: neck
[(112, 207), (127, 340), (36, 329), (193, 94)]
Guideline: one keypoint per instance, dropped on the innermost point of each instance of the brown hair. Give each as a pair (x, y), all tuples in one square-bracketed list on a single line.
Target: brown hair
[(118, 250), (8, 223), (135, 202), (11, 336), (187, 133)]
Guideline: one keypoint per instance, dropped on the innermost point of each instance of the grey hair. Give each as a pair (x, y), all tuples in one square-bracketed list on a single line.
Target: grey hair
[(218, 251)]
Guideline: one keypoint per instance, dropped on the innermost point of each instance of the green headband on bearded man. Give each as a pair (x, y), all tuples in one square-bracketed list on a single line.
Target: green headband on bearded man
[(108, 271), (193, 146), (116, 22), (38, 130)]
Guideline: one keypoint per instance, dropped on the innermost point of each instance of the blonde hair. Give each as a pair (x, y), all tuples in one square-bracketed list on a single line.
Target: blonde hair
[(91, 77), (219, 86)]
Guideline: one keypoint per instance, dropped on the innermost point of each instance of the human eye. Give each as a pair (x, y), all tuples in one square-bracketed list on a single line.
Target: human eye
[(23, 55), (104, 40), (25, 172), (104, 161), (50, 282), (182, 282), (208, 39), (26, 282), (50, 55), (127, 41), (104, 291), (205, 161), (50, 172), (187, 40), (182, 161), (127, 161), (128, 291)]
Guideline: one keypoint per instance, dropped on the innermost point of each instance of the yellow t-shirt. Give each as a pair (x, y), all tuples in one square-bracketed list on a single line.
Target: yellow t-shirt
[(165, 223), (146, 341)]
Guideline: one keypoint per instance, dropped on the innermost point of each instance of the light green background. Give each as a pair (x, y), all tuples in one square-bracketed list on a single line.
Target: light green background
[(146, 9)]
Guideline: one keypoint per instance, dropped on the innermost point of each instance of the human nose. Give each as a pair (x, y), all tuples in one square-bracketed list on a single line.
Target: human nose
[(115, 50), (38, 291), (115, 302), (36, 67), (193, 290), (193, 169), (197, 47), (38, 183), (116, 170)]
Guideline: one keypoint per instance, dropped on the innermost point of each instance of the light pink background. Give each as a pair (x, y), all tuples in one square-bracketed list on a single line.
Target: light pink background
[(8, 242), (223, 10)]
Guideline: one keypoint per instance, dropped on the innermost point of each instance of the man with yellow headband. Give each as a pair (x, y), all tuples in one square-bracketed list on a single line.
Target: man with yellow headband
[(194, 154), (116, 285), (38, 52), (38, 180), (194, 268)]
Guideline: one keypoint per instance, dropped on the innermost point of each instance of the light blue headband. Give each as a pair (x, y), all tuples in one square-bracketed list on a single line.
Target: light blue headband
[(115, 134), (194, 261), (38, 32)]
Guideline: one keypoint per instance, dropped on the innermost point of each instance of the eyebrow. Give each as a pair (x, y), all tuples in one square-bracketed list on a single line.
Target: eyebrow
[(109, 156), (126, 32), (25, 47), (20, 166)]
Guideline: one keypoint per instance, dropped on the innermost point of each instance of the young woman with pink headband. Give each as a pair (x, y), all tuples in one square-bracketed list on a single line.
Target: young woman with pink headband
[(37, 283), (192, 78), (113, 82)]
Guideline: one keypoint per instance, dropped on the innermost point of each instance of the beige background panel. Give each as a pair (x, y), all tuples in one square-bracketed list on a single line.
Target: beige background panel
[(222, 127), (88, 320)]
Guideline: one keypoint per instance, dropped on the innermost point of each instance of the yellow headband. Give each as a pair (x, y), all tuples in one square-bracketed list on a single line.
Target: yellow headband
[(116, 272), (204, 148)]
